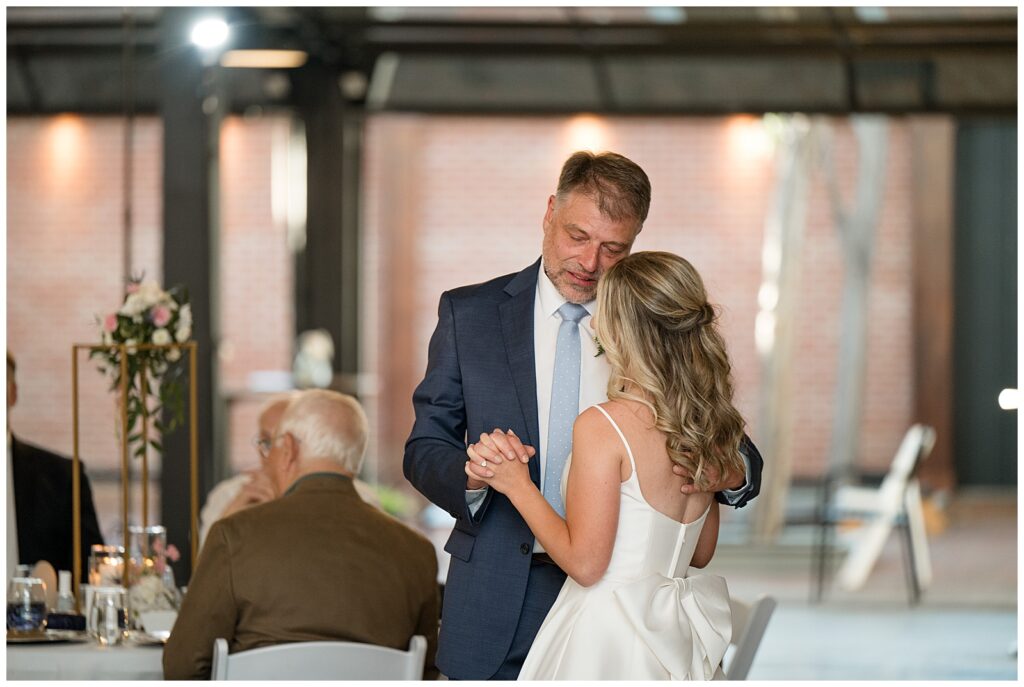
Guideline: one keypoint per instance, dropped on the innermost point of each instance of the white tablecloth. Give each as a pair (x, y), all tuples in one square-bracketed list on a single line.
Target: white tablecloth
[(84, 661)]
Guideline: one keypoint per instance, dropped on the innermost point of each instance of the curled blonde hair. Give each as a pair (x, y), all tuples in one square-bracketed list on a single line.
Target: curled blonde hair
[(658, 331)]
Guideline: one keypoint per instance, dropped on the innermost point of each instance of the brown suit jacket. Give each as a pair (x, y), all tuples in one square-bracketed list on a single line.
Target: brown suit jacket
[(316, 564)]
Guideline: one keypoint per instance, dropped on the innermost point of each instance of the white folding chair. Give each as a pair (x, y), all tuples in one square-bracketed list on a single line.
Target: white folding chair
[(748, 625), (896, 501), (320, 661)]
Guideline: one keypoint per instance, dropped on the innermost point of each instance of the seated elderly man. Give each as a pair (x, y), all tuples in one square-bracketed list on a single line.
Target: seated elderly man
[(317, 563), (253, 487)]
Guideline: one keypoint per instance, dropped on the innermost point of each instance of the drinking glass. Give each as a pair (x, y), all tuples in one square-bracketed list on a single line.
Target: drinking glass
[(107, 615), (26, 606), (106, 565)]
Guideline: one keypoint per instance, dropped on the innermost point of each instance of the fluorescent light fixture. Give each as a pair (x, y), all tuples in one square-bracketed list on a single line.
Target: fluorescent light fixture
[(210, 33), (264, 59)]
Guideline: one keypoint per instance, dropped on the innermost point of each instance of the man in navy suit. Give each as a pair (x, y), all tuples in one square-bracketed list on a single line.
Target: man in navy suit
[(489, 369)]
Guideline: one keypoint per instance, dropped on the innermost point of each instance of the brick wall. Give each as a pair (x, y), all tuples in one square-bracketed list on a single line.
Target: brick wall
[(473, 211), (64, 262), (257, 294), (457, 200)]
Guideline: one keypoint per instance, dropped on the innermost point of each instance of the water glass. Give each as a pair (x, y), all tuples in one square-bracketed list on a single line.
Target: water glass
[(106, 565), (26, 606), (107, 615)]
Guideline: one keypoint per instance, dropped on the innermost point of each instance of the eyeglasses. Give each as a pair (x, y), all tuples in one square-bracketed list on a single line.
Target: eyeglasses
[(263, 445)]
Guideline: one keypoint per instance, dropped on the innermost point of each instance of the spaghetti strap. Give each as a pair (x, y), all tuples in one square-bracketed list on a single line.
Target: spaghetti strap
[(622, 436)]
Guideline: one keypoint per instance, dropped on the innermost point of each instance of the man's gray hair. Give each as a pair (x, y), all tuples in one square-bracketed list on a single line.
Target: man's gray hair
[(328, 425), (284, 397)]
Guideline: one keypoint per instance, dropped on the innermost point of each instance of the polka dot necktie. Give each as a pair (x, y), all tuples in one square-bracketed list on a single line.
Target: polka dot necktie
[(565, 401)]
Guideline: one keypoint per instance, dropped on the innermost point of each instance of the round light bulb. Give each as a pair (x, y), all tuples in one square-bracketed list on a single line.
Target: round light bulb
[(210, 33)]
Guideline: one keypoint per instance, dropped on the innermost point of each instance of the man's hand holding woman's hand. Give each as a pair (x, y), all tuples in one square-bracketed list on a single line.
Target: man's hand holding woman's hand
[(498, 460)]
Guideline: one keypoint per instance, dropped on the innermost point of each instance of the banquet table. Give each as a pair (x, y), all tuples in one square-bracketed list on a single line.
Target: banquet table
[(84, 661)]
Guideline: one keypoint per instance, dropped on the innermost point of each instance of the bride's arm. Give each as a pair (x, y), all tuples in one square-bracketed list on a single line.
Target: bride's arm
[(582, 544)]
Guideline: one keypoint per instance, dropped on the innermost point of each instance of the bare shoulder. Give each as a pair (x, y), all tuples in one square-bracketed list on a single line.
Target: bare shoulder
[(595, 438), (593, 425)]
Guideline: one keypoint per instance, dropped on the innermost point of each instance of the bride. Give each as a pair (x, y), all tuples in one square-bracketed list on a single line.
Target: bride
[(627, 611)]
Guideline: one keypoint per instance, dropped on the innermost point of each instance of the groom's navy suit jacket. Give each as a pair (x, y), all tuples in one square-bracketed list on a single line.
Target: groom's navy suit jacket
[(481, 375)]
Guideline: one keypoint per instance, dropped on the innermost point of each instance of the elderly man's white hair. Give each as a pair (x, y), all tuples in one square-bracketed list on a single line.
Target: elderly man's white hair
[(328, 425), (285, 397)]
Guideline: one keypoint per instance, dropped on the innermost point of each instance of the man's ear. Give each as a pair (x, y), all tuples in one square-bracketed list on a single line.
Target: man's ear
[(291, 451), (549, 212)]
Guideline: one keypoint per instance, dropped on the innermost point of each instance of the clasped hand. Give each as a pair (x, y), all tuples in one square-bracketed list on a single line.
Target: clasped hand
[(499, 460)]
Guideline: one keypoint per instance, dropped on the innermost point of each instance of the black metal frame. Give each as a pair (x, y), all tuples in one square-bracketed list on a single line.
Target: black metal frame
[(827, 520)]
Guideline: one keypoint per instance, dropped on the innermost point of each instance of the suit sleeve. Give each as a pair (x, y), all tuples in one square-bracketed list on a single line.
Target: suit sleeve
[(752, 488), (90, 525), (435, 453), (209, 611)]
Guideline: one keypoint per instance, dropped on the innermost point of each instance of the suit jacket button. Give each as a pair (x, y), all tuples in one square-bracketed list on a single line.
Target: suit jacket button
[(524, 549)]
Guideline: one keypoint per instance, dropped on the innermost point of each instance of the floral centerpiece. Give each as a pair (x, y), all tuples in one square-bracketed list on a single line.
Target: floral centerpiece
[(148, 315), (151, 324)]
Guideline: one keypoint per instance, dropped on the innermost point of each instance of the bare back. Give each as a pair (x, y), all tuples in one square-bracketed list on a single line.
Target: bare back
[(658, 484)]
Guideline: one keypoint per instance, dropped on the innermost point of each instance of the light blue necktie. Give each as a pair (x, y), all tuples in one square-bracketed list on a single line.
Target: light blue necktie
[(565, 401)]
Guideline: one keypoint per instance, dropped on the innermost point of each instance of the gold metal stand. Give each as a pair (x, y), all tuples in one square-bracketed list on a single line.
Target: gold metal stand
[(76, 479)]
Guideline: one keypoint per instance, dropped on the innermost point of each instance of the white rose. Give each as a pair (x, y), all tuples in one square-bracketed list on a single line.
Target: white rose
[(185, 316), (150, 293), (173, 354), (130, 342), (133, 306), (182, 333), (161, 337)]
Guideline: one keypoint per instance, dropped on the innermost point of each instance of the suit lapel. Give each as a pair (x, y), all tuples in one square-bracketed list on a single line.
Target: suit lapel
[(517, 331)]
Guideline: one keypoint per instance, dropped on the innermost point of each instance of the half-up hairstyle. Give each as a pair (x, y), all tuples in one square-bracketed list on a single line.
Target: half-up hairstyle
[(660, 334)]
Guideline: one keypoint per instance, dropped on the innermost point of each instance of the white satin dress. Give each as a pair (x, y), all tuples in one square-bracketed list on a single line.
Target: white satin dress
[(644, 620)]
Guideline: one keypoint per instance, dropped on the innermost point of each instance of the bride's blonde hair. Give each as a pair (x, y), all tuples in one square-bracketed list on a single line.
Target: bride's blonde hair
[(658, 331)]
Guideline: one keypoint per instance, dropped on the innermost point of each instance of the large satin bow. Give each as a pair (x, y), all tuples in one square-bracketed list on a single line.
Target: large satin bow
[(673, 614)]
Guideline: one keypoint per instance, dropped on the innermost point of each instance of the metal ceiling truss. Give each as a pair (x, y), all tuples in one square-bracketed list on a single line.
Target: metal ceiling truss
[(830, 62)]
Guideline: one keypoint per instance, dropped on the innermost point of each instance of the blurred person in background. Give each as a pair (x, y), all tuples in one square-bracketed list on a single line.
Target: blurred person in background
[(39, 500), (251, 487), (316, 563)]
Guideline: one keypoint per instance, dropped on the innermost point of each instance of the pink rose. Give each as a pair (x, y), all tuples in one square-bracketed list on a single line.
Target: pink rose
[(161, 315), (110, 323), (133, 287), (173, 553)]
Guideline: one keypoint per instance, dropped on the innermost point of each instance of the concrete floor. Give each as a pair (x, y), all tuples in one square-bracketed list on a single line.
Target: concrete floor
[(964, 628)]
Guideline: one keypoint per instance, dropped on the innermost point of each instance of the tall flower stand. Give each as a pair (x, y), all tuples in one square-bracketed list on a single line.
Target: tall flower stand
[(190, 347)]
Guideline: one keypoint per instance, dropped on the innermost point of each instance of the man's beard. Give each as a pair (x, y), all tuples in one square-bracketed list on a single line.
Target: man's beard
[(569, 291)]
